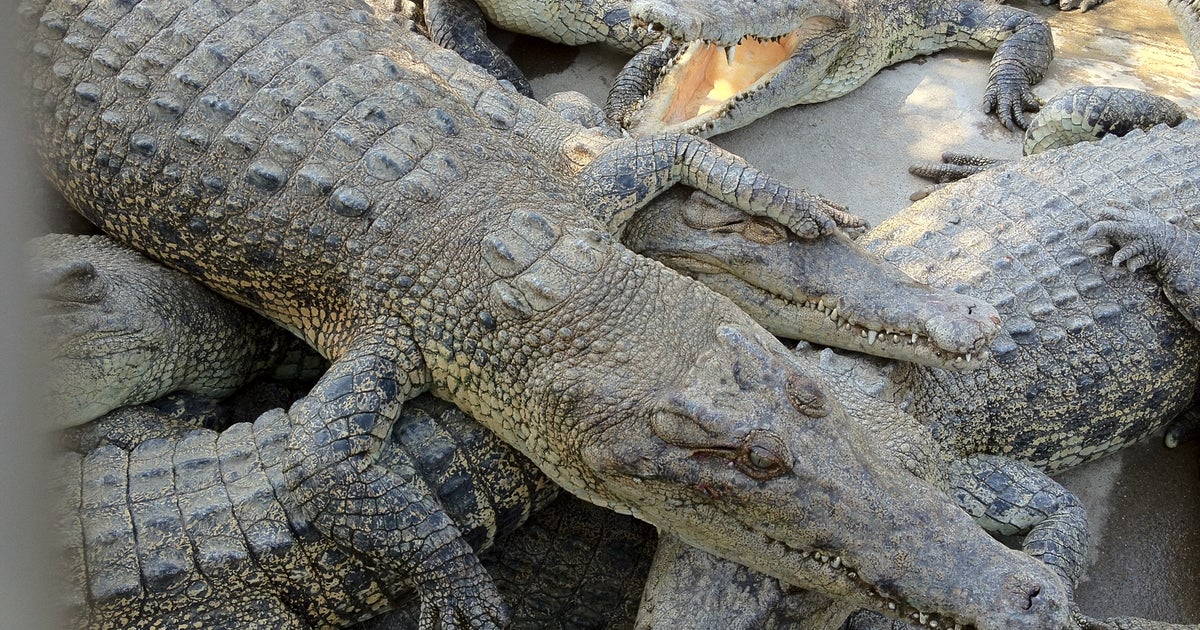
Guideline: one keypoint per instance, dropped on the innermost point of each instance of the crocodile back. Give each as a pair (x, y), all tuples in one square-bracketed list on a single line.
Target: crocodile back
[(1091, 357), (260, 144)]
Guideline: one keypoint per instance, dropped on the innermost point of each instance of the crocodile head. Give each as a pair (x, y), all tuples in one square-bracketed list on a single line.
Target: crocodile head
[(733, 66), (828, 290), (740, 453), (80, 304)]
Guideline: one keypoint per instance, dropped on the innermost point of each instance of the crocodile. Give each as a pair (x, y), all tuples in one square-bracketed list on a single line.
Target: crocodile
[(213, 545), (251, 146), (792, 51), (534, 569), (486, 486), (729, 72), (160, 330)]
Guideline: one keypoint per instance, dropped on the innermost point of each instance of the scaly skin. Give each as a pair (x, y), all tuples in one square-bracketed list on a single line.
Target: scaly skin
[(209, 542), (535, 570), (972, 237), (460, 26), (712, 88), (829, 291), (1080, 114), (252, 148), (1090, 358), (1187, 16), (869, 300), (158, 328)]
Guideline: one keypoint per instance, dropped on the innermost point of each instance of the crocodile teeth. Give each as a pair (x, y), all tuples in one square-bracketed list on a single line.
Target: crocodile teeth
[(871, 337), (666, 42), (837, 562), (833, 314), (914, 338), (968, 357), (729, 50)]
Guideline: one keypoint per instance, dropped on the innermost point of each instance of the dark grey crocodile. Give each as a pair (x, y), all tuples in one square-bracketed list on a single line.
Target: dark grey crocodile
[(251, 146), (210, 543), (731, 70)]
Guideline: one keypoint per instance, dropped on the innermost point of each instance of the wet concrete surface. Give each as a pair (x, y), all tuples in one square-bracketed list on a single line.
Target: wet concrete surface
[(1143, 503)]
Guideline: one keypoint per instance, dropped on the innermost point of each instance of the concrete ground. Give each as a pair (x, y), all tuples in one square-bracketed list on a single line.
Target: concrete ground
[(1144, 503)]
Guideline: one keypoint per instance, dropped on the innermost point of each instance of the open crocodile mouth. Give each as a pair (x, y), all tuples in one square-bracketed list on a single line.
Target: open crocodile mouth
[(834, 570), (705, 80)]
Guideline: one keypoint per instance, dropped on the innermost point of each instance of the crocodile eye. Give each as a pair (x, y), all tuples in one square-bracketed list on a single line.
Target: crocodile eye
[(763, 460), (764, 232), (806, 396)]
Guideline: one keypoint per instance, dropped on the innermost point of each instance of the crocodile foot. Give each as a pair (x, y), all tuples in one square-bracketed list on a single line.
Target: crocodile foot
[(1070, 5), (953, 167), (1141, 239)]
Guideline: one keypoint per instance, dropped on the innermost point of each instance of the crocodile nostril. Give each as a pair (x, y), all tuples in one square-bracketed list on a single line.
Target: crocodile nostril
[(1031, 596)]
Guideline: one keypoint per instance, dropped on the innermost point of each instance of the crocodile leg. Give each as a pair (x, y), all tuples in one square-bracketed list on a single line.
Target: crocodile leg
[(331, 478), (1009, 497), (1024, 48), (460, 26), (1079, 114), (954, 166), (1142, 240), (632, 171)]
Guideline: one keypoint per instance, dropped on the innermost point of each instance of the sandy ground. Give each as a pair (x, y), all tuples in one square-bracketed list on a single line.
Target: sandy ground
[(1144, 503)]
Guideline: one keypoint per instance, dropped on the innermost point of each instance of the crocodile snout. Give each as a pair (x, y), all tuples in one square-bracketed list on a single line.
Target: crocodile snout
[(969, 328), (1040, 601)]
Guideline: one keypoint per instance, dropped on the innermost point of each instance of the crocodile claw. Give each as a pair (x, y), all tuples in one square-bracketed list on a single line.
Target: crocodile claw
[(1139, 237), (466, 600), (1009, 97)]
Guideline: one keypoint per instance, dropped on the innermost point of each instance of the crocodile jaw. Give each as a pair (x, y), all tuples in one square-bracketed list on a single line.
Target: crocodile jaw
[(700, 86), (827, 290)]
